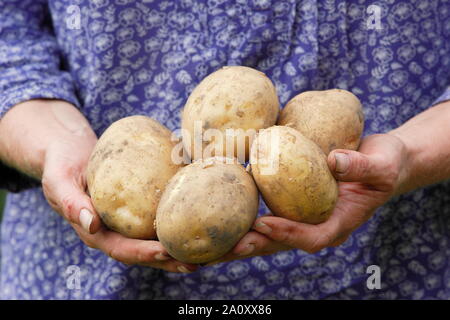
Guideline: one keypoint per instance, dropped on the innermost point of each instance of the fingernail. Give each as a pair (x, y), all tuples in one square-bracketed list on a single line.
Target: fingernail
[(86, 219), (183, 269), (247, 250), (263, 228), (342, 162), (162, 257)]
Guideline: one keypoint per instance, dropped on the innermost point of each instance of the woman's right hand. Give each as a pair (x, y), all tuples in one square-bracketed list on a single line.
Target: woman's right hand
[(63, 141)]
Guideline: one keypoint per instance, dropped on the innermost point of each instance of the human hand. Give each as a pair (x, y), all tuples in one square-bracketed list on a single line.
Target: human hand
[(53, 143), (367, 178), (64, 186)]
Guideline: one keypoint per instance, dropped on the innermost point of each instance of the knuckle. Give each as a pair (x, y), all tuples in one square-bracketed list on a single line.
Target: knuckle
[(112, 253), (144, 256), (117, 253), (67, 206), (68, 171), (287, 236), (362, 166)]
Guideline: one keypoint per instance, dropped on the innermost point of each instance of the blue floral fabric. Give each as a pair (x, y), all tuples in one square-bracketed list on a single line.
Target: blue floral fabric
[(115, 58)]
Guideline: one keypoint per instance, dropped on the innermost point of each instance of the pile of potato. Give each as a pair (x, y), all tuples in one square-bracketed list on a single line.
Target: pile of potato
[(199, 211)]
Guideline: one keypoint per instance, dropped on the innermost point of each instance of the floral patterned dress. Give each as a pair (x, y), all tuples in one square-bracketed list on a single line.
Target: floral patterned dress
[(115, 58)]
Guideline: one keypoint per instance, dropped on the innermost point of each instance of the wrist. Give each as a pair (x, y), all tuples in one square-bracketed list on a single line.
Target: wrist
[(21, 147), (405, 163), (43, 124)]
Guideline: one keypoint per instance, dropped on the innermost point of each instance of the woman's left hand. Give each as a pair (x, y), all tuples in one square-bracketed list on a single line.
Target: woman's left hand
[(367, 179)]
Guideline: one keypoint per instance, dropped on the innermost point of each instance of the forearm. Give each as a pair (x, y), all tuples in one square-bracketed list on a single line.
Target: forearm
[(30, 128), (427, 141)]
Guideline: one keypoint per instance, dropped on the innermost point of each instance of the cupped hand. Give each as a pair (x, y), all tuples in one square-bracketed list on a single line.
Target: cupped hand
[(367, 179), (64, 186)]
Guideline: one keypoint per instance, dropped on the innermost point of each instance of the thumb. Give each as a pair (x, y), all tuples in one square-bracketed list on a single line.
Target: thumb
[(353, 166)]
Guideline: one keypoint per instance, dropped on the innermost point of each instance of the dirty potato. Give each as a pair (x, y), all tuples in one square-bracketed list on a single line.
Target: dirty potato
[(207, 207), (292, 174), (333, 119), (127, 173), (225, 110)]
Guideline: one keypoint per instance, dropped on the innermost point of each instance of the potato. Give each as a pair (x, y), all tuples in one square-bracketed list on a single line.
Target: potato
[(333, 119), (292, 174), (234, 97), (207, 207), (127, 173)]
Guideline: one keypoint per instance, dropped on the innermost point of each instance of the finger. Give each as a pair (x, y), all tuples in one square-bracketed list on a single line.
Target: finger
[(352, 166), (252, 244), (310, 238), (68, 195), (256, 244), (133, 251)]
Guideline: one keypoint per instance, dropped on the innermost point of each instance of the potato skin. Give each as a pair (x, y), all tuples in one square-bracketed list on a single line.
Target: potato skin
[(127, 174), (294, 179), (233, 97), (333, 119), (205, 210)]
